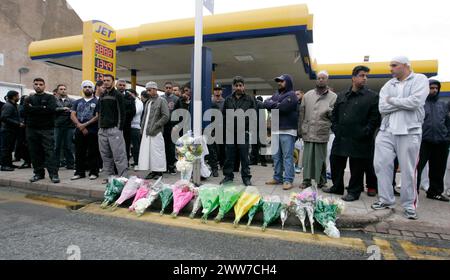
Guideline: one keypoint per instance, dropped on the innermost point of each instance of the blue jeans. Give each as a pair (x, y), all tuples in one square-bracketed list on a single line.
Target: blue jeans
[(64, 140), (284, 159)]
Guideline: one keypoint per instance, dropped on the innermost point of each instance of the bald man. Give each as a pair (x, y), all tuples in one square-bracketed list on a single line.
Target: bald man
[(401, 105)]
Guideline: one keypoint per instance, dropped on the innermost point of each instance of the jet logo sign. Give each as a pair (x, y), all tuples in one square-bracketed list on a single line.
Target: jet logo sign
[(104, 32)]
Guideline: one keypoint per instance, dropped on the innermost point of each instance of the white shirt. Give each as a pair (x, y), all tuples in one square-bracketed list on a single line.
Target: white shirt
[(136, 122)]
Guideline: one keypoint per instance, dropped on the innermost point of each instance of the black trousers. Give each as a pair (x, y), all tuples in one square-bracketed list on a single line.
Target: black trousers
[(136, 144), (371, 177), (86, 153), (436, 156), (21, 151), (41, 144), (169, 147), (213, 156), (357, 167), (127, 138), (8, 144), (243, 151)]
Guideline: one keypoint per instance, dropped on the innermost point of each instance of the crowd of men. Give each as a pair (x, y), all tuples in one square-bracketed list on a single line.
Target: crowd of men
[(112, 126)]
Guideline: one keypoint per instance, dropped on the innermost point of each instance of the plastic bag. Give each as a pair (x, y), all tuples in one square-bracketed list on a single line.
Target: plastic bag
[(228, 196), (185, 168), (209, 196), (166, 195), (248, 199), (113, 190), (271, 210), (183, 193), (128, 191)]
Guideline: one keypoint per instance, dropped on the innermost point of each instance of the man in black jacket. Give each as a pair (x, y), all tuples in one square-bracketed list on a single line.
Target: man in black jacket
[(435, 142), (354, 119), (130, 111), (64, 127), (40, 109), (110, 135), (10, 122), (238, 100)]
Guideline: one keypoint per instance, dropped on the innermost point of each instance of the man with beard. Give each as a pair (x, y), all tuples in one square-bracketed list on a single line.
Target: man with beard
[(64, 127), (169, 145), (238, 100), (314, 128), (40, 109), (130, 112), (285, 101), (85, 116), (111, 123)]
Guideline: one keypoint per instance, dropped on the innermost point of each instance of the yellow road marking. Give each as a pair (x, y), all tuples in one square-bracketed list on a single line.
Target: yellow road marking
[(185, 222), (37, 199), (386, 248), (423, 252)]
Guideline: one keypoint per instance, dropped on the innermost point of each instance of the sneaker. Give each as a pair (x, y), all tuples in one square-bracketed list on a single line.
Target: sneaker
[(438, 197), (7, 168), (328, 175), (25, 166), (226, 181), (273, 182), (36, 178), (287, 186), (411, 214), (76, 177), (381, 206), (93, 177), (298, 170), (172, 171), (55, 179)]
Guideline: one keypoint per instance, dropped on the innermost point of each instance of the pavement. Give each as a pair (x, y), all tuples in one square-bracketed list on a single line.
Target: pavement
[(433, 220)]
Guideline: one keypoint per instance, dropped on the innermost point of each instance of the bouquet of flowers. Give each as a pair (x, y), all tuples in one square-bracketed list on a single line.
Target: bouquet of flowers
[(141, 192), (166, 195), (197, 202), (209, 196), (252, 212), (150, 196), (128, 191), (303, 206), (248, 199), (285, 211), (188, 149), (271, 210), (183, 193), (326, 214), (113, 190), (228, 196)]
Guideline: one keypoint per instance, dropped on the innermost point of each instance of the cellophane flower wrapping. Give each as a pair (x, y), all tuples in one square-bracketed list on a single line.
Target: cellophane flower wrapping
[(152, 194), (228, 196), (185, 168), (209, 196), (197, 203), (303, 205), (271, 210), (188, 149), (128, 191), (113, 190), (141, 192), (248, 199), (252, 212), (166, 196), (326, 213), (183, 193)]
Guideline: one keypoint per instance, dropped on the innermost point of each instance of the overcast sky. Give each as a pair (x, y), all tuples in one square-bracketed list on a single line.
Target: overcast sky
[(344, 30)]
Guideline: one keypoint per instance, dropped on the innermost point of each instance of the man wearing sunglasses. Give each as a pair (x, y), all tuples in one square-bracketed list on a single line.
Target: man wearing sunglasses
[(401, 105)]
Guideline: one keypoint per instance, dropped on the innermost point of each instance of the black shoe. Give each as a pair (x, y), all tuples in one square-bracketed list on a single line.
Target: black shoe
[(253, 163), (36, 178), (151, 176), (172, 171), (55, 179), (25, 166), (333, 190), (438, 197), (14, 166), (202, 178), (226, 181), (264, 164), (350, 197), (69, 167), (247, 182), (7, 168), (215, 173)]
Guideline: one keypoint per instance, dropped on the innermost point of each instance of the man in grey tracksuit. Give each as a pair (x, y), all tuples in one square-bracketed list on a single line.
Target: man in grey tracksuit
[(401, 106)]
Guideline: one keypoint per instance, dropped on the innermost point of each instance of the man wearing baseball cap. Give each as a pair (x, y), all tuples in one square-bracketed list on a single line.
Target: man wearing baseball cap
[(401, 105)]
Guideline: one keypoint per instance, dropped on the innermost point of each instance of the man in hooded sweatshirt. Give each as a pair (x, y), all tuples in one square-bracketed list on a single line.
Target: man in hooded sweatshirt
[(286, 102), (435, 142), (401, 105)]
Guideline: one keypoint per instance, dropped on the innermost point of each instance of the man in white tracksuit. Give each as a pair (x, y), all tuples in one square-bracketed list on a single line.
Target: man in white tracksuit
[(401, 106)]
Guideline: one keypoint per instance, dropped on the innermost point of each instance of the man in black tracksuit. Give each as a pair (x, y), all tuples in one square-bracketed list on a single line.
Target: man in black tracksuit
[(238, 100), (435, 142), (130, 111), (10, 123), (40, 111)]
